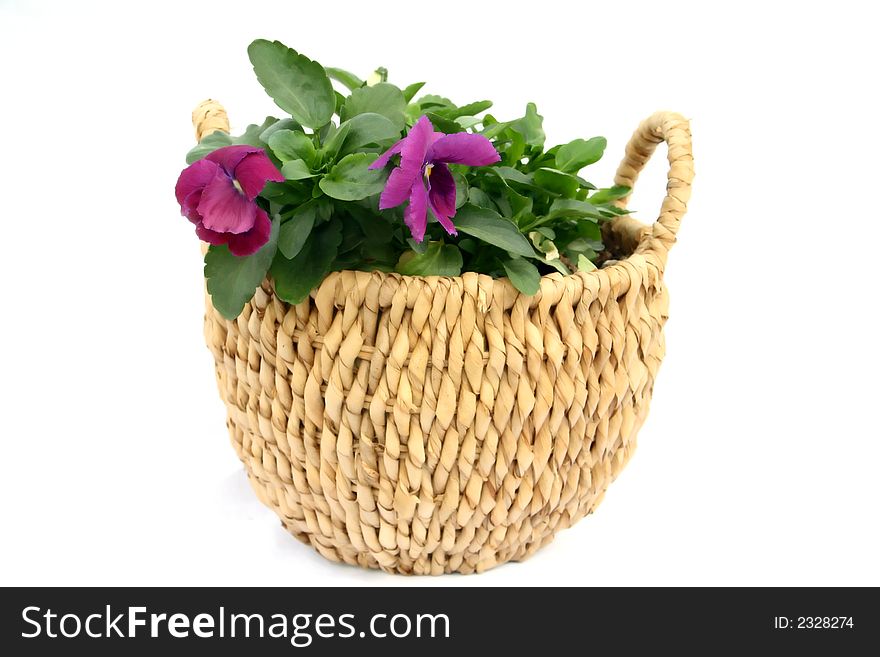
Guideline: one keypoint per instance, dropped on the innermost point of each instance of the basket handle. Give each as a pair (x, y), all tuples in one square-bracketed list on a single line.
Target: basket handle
[(675, 130), (209, 117)]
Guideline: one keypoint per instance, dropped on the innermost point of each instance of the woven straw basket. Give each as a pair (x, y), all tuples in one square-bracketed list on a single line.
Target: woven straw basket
[(428, 425)]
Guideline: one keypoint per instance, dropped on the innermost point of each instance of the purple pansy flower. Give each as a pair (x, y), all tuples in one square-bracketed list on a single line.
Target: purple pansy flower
[(217, 194), (423, 177)]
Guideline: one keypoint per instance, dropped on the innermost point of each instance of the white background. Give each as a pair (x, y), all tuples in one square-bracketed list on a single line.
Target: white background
[(759, 461)]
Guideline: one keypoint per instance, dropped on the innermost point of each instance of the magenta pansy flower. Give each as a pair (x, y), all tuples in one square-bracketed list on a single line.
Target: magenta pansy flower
[(423, 178), (217, 194)]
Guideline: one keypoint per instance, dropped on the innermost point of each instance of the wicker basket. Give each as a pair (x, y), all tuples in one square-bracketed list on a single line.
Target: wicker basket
[(427, 425)]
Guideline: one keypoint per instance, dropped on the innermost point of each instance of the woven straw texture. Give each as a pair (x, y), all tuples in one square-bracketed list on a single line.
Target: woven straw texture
[(427, 425)]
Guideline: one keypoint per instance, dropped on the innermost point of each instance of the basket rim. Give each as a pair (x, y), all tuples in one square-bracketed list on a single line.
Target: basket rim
[(616, 278)]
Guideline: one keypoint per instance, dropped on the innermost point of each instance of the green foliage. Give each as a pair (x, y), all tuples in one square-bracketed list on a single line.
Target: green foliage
[(208, 144), (410, 91), (523, 274), (350, 80), (610, 194), (298, 85), (575, 155), (531, 126), (368, 130), (298, 226), (493, 229), (296, 277), (232, 280), (438, 259), (351, 180), (529, 215), (297, 170), (290, 145), (382, 98)]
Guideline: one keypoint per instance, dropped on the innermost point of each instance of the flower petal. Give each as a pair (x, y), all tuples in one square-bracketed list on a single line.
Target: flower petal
[(398, 188), (385, 157), (254, 170), (441, 189), (194, 177), (228, 157), (416, 144), (464, 148), (416, 213), (211, 236), (250, 242), (190, 206), (441, 196), (224, 209)]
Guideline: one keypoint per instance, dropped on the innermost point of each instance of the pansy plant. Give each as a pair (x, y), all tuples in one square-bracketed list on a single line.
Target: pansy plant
[(378, 179)]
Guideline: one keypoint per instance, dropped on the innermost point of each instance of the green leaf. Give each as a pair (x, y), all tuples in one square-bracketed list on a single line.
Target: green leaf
[(232, 280), (289, 145), (610, 194), (368, 129), (296, 170), (283, 124), (509, 174), (350, 80), (432, 100), (572, 208), (511, 203), (294, 278), (252, 136), (590, 231), (209, 144), (557, 182), (352, 239), (465, 110), (296, 230), (468, 121), (557, 264), (576, 154), (410, 91), (613, 211), (333, 141), (382, 98), (492, 130), (515, 149), (473, 108), (494, 229), (531, 126), (478, 197), (286, 193), (298, 85), (253, 132), (584, 264), (376, 228), (581, 245), (418, 247), (350, 180), (523, 274), (586, 185), (468, 245), (439, 259), (461, 189), (442, 124)]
